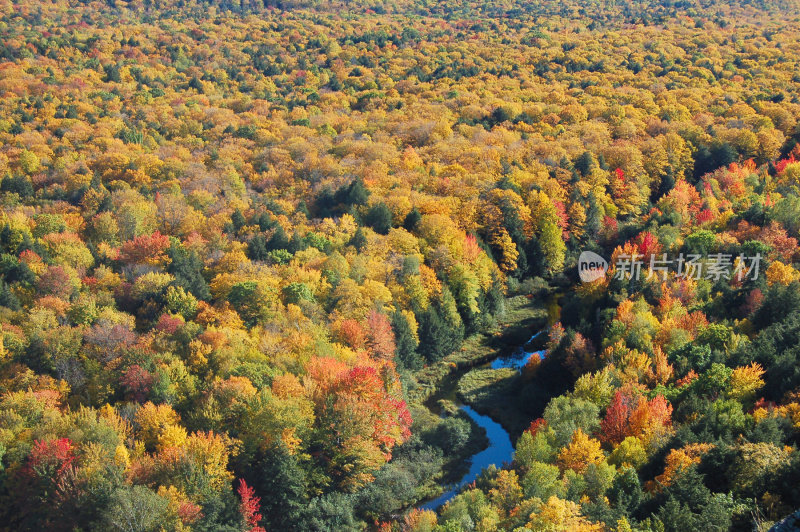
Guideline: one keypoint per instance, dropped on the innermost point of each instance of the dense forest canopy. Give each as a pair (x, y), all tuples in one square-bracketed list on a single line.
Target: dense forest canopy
[(235, 235)]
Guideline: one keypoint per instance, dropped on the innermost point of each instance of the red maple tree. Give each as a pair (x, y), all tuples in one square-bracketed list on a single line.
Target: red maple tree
[(250, 507)]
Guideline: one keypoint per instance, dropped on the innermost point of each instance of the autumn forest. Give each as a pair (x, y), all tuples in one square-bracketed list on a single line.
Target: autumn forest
[(317, 266)]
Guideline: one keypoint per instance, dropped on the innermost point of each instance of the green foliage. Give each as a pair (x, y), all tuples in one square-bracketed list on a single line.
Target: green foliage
[(187, 268), (359, 240), (542, 480), (257, 248), (564, 416), (17, 185), (379, 217), (701, 242), (539, 448), (440, 331), (251, 301), (297, 292), (280, 482), (412, 219), (691, 506), (406, 344), (178, 301), (135, 508)]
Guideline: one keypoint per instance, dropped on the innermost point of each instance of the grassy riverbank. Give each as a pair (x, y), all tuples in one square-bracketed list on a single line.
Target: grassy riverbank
[(495, 392), (523, 317), (466, 436), (433, 390)]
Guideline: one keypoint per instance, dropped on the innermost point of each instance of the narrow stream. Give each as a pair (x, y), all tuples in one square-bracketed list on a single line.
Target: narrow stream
[(520, 357), (499, 450), (500, 447)]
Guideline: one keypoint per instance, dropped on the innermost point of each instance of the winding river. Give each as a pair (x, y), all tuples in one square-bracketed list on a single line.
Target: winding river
[(500, 448)]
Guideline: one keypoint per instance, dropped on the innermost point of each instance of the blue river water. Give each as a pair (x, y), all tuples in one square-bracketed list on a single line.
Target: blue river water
[(500, 449), (520, 357)]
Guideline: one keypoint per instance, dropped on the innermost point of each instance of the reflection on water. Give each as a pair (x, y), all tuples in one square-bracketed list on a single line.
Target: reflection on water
[(516, 361), (520, 357), (500, 450), (553, 308)]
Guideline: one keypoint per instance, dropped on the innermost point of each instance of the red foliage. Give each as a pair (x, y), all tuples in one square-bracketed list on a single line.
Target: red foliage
[(536, 426), (107, 342), (137, 381), (623, 419), (352, 333), (753, 301), (326, 373), (692, 322), (531, 367), (580, 355), (683, 199), (692, 375), (189, 512), (781, 165), (169, 324), (731, 181), (362, 380), (194, 241), (784, 245), (50, 459), (655, 412), (471, 248), (403, 417), (55, 281), (647, 243), (556, 334), (609, 228), (364, 386), (50, 398), (614, 426), (381, 336), (763, 403), (29, 256), (774, 235), (145, 249), (705, 216), (561, 213), (250, 506)]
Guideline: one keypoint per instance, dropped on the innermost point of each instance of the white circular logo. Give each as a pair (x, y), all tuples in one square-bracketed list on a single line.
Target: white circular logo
[(591, 266)]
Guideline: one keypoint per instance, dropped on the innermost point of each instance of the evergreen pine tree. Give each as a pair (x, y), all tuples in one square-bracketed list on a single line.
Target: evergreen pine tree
[(187, 268), (257, 248), (359, 240), (405, 344), (379, 217), (278, 240), (412, 219), (237, 219), (280, 482)]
